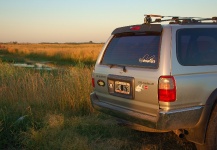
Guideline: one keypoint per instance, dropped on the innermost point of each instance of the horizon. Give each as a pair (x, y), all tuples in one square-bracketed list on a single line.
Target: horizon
[(73, 21), (15, 42)]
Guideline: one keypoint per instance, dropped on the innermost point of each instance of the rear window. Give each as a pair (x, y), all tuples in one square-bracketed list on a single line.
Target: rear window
[(133, 50), (197, 46)]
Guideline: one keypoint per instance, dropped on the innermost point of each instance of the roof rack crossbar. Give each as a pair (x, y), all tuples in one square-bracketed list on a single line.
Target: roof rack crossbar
[(177, 19)]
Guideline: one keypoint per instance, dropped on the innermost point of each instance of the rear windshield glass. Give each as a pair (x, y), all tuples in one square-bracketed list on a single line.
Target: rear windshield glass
[(133, 50), (196, 47)]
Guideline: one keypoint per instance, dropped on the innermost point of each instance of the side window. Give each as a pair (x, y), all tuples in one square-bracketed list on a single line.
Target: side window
[(197, 46)]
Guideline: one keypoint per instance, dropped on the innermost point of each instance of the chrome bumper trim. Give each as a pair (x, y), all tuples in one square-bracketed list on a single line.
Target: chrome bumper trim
[(165, 120)]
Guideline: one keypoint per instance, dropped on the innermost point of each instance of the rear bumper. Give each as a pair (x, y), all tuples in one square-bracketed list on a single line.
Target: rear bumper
[(164, 121)]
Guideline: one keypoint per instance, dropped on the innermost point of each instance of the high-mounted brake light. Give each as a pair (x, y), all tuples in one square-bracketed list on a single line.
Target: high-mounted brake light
[(166, 89), (93, 82), (135, 28)]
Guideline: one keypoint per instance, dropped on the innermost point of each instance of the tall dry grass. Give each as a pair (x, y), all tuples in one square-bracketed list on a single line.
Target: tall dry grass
[(77, 52), (27, 96), (68, 89)]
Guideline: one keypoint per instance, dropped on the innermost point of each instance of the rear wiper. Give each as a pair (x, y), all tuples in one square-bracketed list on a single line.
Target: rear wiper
[(112, 65)]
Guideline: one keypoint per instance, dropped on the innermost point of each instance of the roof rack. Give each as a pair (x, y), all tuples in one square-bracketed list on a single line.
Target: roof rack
[(177, 19)]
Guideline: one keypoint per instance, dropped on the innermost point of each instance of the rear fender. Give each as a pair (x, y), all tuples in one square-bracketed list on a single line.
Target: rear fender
[(198, 133)]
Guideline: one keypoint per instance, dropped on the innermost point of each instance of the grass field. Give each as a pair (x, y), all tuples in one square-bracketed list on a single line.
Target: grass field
[(51, 109), (60, 54)]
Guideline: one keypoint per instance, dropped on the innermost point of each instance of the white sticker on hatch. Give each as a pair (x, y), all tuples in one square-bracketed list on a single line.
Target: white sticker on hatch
[(147, 59), (139, 88)]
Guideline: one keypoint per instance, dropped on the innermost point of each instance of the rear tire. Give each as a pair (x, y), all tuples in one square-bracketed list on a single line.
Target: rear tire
[(211, 133)]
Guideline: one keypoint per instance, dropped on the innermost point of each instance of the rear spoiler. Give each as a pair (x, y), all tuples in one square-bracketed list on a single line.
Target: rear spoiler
[(157, 28)]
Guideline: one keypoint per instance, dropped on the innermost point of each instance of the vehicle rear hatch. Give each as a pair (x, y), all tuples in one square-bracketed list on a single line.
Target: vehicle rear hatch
[(126, 72)]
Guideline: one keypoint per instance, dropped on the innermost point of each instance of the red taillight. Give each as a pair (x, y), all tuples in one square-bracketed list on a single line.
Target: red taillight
[(167, 89), (135, 28), (93, 82)]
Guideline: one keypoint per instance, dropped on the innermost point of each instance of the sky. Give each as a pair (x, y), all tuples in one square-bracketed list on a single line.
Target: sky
[(36, 21)]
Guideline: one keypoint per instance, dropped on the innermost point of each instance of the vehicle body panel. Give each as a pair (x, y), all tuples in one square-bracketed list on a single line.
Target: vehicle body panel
[(194, 85)]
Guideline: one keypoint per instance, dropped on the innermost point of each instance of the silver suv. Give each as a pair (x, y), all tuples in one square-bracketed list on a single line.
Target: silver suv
[(161, 77)]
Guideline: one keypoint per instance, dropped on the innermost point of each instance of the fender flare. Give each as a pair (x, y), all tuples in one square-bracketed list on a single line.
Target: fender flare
[(198, 133)]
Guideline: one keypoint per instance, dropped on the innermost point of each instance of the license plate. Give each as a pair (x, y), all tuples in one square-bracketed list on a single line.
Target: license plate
[(122, 87)]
